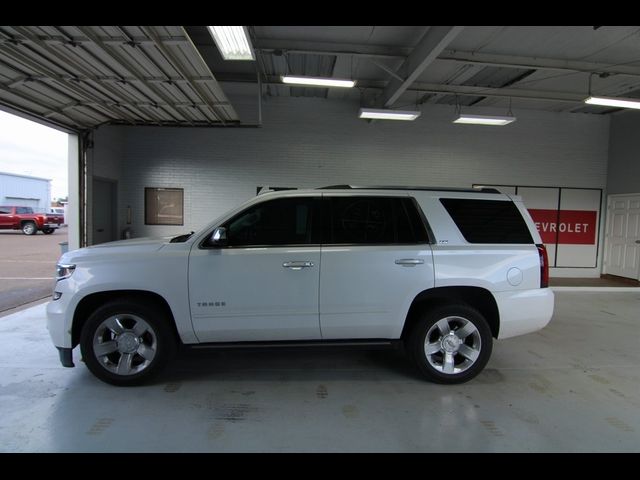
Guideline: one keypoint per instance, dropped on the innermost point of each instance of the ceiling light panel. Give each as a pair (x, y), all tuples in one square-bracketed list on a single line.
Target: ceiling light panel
[(318, 81), (614, 102), (484, 119), (383, 114), (233, 42)]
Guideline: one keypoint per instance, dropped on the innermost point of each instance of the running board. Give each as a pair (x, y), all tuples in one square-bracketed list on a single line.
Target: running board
[(347, 344)]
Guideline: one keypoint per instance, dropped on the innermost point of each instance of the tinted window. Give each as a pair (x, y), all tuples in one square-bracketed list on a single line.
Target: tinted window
[(23, 210), (285, 221), (408, 211), (373, 220), (5, 210), (488, 221)]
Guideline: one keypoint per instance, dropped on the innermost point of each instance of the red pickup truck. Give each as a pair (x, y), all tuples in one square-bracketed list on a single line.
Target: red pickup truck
[(23, 218)]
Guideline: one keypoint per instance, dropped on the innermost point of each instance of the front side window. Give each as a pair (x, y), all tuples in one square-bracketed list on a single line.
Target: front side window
[(284, 221), (24, 210)]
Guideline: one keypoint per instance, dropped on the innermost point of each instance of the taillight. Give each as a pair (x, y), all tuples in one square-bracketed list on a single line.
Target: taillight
[(544, 266)]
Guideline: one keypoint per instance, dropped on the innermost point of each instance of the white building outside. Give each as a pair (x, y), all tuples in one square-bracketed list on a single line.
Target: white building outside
[(25, 191)]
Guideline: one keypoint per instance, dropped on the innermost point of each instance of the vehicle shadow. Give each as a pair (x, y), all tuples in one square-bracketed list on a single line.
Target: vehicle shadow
[(289, 365)]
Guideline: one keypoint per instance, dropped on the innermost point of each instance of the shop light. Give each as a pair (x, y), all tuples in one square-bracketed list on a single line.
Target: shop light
[(613, 102), (233, 42), (484, 119), (384, 114), (318, 81)]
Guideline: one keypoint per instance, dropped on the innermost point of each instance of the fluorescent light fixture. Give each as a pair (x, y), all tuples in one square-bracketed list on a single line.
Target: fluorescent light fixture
[(233, 42), (382, 114), (614, 102), (318, 81), (484, 119)]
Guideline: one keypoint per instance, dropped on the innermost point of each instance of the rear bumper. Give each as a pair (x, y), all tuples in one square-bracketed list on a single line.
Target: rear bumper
[(525, 311)]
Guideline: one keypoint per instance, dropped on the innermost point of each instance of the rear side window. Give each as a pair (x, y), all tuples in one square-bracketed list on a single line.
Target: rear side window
[(488, 221), (373, 221), (24, 210)]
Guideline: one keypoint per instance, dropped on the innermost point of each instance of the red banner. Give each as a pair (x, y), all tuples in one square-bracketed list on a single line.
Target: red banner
[(571, 227)]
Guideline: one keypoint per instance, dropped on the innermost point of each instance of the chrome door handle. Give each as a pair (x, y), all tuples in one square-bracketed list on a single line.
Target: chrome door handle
[(409, 262), (297, 265)]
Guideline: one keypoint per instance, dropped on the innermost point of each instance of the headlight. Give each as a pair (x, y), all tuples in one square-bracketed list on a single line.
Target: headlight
[(64, 270)]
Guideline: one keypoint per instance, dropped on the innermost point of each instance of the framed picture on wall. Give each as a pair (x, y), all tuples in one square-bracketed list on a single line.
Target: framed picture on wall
[(163, 206)]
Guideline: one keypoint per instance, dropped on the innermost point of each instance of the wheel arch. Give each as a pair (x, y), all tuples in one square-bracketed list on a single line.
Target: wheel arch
[(91, 302), (476, 297)]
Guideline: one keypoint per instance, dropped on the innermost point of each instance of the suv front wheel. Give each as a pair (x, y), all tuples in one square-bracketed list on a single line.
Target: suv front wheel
[(126, 343), (450, 344)]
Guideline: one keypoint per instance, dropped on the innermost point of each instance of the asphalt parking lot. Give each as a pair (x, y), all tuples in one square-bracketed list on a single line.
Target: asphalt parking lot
[(27, 266)]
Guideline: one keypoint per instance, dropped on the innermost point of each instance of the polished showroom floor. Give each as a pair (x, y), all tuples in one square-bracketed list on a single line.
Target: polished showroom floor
[(572, 387)]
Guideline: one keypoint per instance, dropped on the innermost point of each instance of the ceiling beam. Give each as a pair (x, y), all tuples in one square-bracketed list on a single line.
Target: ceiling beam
[(427, 50), (484, 59), (543, 95), (537, 63), (329, 48)]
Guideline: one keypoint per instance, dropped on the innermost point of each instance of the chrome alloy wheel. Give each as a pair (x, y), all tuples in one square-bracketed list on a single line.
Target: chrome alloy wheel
[(125, 344), (452, 345)]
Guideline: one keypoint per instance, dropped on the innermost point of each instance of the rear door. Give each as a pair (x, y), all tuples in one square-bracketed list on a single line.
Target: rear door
[(376, 258)]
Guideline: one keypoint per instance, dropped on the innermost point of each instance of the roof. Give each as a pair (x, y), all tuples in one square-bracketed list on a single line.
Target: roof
[(399, 187), (24, 176)]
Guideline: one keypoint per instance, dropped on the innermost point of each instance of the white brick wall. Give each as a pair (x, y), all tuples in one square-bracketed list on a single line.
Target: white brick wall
[(309, 142)]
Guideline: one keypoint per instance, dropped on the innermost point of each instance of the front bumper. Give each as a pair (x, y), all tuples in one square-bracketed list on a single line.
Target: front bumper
[(60, 329), (66, 357)]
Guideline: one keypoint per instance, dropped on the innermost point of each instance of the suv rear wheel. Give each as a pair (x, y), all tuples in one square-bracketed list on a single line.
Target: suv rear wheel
[(450, 344), (125, 343)]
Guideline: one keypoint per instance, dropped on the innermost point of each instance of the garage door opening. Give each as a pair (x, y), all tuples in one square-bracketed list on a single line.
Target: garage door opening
[(36, 208)]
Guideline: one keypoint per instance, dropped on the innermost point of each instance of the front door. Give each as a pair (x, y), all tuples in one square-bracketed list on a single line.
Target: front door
[(263, 285), (622, 242)]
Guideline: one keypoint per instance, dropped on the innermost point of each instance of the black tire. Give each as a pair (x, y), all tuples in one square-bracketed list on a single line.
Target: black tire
[(126, 358), (29, 228), (48, 231), (460, 357)]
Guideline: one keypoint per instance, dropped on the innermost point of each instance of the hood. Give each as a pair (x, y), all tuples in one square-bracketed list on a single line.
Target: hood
[(134, 246)]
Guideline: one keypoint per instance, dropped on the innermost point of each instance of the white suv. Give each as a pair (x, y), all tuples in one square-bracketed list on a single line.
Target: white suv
[(440, 272)]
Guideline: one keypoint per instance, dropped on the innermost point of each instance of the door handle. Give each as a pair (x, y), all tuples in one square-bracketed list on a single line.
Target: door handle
[(297, 265), (409, 262), (637, 241)]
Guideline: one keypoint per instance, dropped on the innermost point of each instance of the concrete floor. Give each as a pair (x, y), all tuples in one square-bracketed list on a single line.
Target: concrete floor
[(573, 387)]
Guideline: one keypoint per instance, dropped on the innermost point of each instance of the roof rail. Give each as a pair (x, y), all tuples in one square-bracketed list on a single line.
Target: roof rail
[(404, 187)]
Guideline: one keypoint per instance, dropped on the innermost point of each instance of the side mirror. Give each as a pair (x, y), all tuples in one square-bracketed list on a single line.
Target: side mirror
[(219, 237)]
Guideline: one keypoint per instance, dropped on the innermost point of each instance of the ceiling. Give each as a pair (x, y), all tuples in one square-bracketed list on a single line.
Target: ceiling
[(82, 77)]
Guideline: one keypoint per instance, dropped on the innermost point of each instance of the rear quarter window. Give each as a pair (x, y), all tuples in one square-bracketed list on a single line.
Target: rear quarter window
[(488, 221)]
